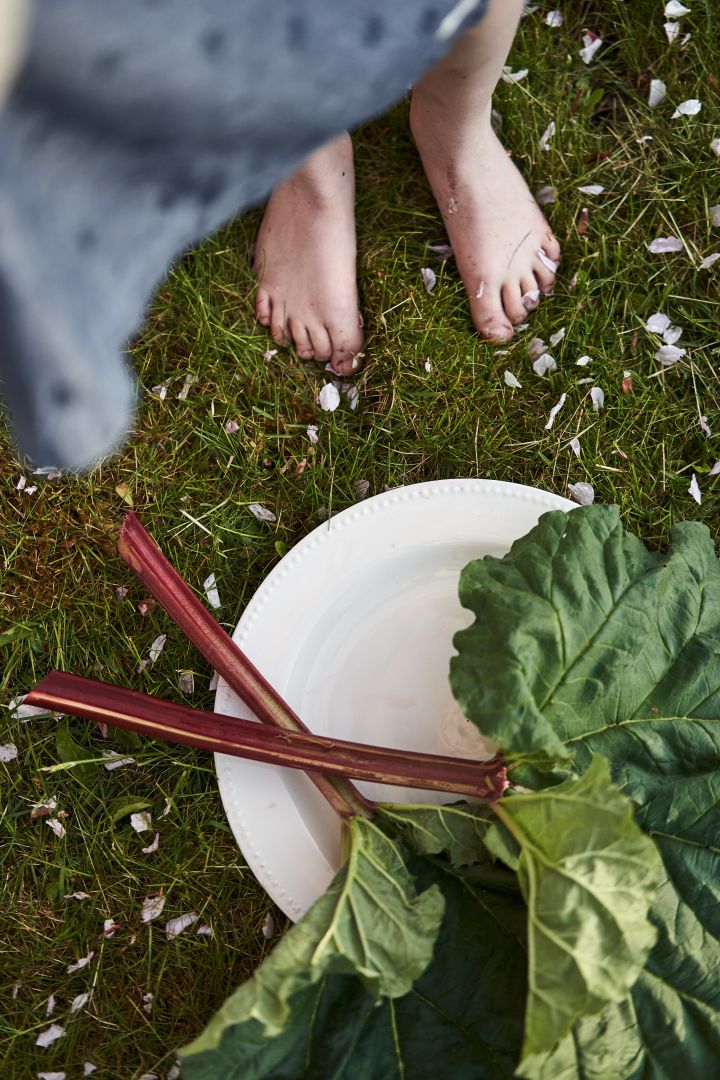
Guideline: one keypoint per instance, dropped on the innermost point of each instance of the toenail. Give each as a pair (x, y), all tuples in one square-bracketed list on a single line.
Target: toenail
[(499, 331)]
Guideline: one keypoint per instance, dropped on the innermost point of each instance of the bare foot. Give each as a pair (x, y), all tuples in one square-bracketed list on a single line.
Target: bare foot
[(305, 260), (505, 250)]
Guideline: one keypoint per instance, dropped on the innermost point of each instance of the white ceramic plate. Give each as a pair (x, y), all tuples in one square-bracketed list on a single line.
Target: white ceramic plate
[(354, 628)]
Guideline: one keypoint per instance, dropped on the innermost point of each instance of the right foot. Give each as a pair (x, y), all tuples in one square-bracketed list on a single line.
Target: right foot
[(305, 260)]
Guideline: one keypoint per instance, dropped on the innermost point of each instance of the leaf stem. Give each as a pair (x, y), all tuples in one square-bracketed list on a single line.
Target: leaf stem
[(148, 563), (152, 716)]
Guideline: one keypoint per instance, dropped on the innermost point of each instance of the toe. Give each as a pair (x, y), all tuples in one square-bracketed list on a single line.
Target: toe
[(262, 307), (278, 327), (301, 339), (545, 276), (512, 302), (489, 316), (529, 292), (347, 341), (551, 246), (321, 345)]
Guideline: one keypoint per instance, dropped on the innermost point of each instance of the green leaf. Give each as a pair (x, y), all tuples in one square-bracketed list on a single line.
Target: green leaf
[(457, 829), (68, 751), (589, 876), (124, 805), (371, 922), (617, 651), (462, 1018)]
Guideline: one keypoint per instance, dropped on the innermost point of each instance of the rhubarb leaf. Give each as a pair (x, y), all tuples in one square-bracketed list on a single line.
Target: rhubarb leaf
[(589, 876), (371, 922), (463, 1017), (457, 830), (631, 641)]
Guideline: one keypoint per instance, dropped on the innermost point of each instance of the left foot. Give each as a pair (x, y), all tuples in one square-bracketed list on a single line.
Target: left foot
[(505, 250)]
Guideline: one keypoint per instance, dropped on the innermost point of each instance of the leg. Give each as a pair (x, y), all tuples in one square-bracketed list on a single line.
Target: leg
[(494, 225), (305, 259)]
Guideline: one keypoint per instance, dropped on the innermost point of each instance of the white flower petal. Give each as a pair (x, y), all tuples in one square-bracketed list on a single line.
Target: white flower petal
[(152, 907), (715, 146), (557, 336), (715, 469), (88, 1068), (329, 397), (529, 300), (704, 426), (148, 1002), (544, 364), (592, 189), (205, 931), (669, 354), (546, 196), (510, 380), (694, 490), (691, 107), (575, 446), (554, 411), (554, 19), (115, 761), (443, 250), (153, 846), (80, 1001), (547, 135), (672, 334), (710, 260), (211, 592), (352, 394), (582, 361), (657, 323), (545, 259), (582, 493), (81, 963), (427, 365), (675, 10), (8, 752), (658, 93), (536, 347), (176, 926), (509, 76), (672, 29), (51, 1076), (261, 512), (429, 278), (663, 244), (141, 822), (591, 44), (268, 926), (157, 647), (597, 397), (50, 1006), (57, 826), (232, 427), (186, 682), (76, 896), (715, 216), (312, 433)]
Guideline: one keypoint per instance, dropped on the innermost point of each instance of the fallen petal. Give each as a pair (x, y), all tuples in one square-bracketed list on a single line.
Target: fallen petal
[(530, 300), (157, 647), (705, 427), (557, 336), (582, 493), (715, 469), (710, 260), (544, 363), (545, 259), (213, 596), (509, 76), (176, 926), (232, 427), (261, 513), (672, 29), (76, 896), (554, 411), (591, 44), (694, 490), (81, 963), (675, 10), (658, 93), (57, 826), (443, 250), (80, 1001), (329, 397), (691, 107), (546, 196), (582, 361), (152, 907), (669, 354), (547, 135), (715, 216), (663, 244), (672, 334), (657, 323), (187, 682), (592, 189), (429, 278), (510, 380), (141, 822), (8, 752), (597, 397), (45, 1038)]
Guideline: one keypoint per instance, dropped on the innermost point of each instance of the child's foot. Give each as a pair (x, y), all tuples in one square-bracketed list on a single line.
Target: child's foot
[(505, 251), (305, 260)]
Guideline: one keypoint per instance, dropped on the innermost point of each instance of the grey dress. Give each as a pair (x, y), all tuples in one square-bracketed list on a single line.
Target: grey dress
[(135, 128)]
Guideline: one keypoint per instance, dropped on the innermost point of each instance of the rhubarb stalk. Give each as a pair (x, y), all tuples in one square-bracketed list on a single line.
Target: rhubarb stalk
[(215, 732), (148, 563)]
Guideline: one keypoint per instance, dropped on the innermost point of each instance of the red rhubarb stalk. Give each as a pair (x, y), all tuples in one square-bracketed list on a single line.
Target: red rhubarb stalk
[(214, 732), (148, 563)]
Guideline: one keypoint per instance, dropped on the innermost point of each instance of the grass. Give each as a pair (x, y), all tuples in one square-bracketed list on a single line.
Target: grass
[(191, 484)]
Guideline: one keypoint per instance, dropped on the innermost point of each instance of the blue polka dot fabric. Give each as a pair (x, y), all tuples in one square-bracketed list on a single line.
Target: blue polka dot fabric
[(136, 128)]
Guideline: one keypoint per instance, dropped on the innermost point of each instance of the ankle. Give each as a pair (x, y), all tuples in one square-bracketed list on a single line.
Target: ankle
[(324, 171)]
